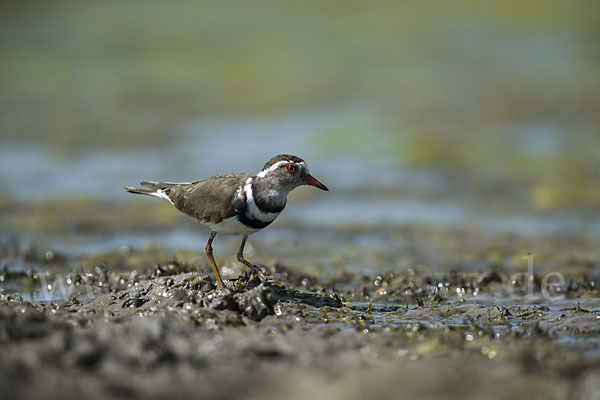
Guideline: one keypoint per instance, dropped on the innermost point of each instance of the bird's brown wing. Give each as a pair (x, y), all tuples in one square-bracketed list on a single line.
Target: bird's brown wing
[(209, 200)]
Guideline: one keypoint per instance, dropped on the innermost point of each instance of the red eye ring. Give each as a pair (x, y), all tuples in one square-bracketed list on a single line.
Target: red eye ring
[(291, 169)]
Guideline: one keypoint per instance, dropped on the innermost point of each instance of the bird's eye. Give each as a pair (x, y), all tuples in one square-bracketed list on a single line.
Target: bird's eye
[(291, 169)]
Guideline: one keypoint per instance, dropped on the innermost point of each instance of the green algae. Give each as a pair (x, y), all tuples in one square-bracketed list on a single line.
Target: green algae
[(84, 215)]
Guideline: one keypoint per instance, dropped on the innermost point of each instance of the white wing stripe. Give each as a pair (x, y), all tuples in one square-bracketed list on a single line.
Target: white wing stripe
[(161, 195)]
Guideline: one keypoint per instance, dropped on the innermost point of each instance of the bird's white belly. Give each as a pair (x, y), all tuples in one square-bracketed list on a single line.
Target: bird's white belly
[(231, 226)]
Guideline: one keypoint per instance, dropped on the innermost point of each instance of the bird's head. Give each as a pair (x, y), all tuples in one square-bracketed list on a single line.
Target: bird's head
[(288, 172)]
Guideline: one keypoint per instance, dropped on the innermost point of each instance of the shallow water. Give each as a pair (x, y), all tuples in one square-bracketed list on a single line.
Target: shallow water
[(369, 185)]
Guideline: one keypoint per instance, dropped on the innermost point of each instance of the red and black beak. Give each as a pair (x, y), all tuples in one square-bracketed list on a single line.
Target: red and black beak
[(312, 181)]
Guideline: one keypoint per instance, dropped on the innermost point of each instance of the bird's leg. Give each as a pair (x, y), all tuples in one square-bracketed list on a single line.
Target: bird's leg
[(213, 264), (240, 258)]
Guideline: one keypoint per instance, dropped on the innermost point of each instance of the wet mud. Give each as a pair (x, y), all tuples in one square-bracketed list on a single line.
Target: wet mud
[(168, 330)]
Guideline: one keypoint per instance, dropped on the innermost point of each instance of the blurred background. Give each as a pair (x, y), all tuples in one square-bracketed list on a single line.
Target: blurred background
[(454, 114)]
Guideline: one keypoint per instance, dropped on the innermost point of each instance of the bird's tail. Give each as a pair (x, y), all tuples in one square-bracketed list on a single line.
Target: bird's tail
[(156, 189)]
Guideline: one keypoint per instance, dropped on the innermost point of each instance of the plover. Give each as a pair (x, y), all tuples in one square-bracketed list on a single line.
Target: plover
[(235, 204)]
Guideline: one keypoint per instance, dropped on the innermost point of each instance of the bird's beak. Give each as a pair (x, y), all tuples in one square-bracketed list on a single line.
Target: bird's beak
[(312, 181)]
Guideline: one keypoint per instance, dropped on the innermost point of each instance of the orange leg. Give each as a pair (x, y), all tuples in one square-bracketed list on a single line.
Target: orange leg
[(240, 254), (213, 264), (240, 258)]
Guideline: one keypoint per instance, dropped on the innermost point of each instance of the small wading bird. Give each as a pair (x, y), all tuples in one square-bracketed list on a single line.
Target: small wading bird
[(235, 204)]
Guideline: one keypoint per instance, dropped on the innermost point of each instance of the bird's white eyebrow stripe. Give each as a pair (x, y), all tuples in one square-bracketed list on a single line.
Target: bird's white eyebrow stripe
[(277, 165), (253, 209)]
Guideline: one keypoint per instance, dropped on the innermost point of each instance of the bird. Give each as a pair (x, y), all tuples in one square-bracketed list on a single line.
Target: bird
[(235, 204)]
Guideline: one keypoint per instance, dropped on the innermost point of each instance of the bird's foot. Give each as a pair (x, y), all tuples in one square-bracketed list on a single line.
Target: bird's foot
[(220, 285), (257, 274)]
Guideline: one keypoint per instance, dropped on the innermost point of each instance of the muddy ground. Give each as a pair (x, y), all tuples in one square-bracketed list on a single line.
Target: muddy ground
[(459, 141), (164, 329)]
